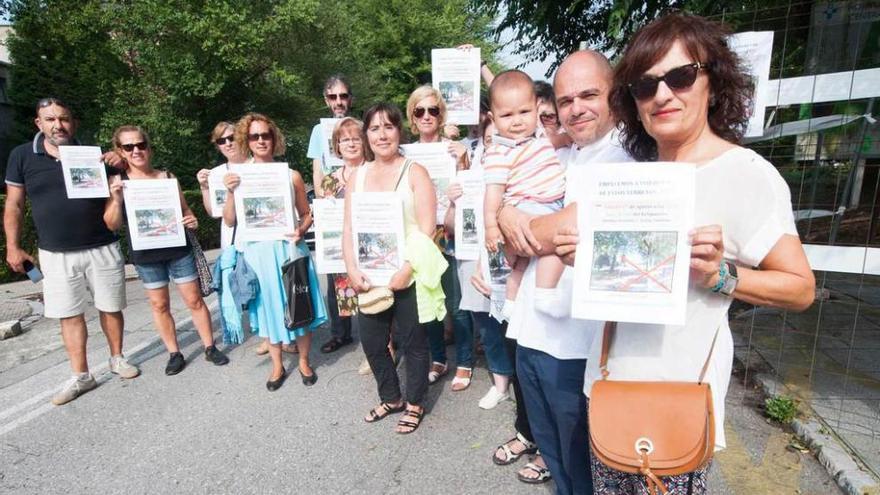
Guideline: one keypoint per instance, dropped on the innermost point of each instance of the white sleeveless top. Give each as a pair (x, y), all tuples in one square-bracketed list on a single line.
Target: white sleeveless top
[(404, 190)]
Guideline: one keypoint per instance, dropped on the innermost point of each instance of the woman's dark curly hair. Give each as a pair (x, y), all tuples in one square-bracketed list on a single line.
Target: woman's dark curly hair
[(730, 85)]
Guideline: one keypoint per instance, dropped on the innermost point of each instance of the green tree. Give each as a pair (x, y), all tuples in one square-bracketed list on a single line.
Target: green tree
[(176, 67), (553, 28)]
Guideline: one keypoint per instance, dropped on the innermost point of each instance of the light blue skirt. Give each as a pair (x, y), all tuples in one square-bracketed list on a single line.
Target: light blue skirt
[(266, 313)]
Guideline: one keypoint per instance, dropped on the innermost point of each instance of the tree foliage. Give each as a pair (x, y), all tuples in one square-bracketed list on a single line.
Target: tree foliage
[(176, 67), (554, 28)]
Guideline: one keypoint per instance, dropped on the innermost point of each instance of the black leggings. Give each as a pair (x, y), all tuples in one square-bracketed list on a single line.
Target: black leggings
[(411, 339)]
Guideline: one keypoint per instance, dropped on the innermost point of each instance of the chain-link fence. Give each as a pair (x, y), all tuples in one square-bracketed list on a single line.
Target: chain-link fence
[(821, 135)]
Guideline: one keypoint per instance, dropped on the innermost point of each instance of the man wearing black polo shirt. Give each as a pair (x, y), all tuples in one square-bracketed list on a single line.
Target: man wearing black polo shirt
[(77, 252)]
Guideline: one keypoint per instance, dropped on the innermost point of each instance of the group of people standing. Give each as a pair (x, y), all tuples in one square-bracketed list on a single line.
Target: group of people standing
[(678, 94)]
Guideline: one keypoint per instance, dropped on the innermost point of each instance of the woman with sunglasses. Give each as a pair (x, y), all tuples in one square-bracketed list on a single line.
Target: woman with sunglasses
[(388, 171), (683, 96), (156, 267), (548, 117), (257, 136), (346, 143), (426, 112), (223, 137)]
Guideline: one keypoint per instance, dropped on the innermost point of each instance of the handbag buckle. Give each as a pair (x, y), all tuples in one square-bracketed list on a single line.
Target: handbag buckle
[(644, 445)]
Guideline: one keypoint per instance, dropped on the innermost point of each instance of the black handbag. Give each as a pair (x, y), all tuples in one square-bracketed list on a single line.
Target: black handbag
[(206, 279), (299, 311)]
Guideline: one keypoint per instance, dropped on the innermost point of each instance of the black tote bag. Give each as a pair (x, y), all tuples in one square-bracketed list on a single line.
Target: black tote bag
[(299, 311)]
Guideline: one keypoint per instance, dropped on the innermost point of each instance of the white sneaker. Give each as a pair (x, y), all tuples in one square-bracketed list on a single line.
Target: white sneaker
[(364, 368), (492, 398), (120, 366), (73, 389)]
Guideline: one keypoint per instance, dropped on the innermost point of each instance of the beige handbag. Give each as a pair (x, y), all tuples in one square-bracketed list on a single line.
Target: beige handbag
[(651, 428), (375, 300)]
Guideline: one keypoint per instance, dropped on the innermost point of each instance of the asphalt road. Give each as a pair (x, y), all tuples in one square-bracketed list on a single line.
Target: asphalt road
[(217, 430)]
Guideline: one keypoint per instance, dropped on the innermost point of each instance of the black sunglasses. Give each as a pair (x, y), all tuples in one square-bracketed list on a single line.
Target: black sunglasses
[(419, 112), (678, 78), (341, 96), (141, 145), (223, 140), (265, 136)]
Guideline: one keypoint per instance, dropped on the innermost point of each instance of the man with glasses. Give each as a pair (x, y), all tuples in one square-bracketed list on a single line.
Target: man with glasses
[(338, 97), (77, 253)]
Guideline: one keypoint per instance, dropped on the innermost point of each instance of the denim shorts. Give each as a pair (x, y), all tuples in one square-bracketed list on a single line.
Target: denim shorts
[(157, 275)]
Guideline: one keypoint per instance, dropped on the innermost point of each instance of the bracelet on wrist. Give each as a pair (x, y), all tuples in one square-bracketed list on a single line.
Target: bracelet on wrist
[(722, 277)]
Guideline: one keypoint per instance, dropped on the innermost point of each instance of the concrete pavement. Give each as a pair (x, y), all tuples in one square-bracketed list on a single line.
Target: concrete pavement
[(217, 430)]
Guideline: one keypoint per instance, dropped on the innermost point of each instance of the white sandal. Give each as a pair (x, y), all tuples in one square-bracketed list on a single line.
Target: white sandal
[(463, 381), (509, 456)]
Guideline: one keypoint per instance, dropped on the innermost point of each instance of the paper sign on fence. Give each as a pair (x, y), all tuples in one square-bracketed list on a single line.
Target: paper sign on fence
[(263, 202), (84, 173), (754, 49), (378, 234), (633, 258), (155, 219), (456, 74), (329, 215)]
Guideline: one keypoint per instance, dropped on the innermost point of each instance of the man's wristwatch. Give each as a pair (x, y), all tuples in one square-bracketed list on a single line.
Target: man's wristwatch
[(727, 279)]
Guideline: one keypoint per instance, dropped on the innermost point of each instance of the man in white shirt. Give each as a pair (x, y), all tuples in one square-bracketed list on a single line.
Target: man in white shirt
[(552, 353)]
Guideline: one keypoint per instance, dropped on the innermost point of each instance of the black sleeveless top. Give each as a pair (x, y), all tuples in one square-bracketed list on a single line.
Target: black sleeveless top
[(160, 255)]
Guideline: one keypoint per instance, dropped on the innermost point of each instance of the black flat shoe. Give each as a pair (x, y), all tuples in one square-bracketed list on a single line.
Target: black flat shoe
[(309, 380), (273, 385), (215, 356), (176, 363)]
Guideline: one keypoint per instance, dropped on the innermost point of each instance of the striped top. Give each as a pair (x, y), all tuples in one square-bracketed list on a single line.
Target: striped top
[(530, 170)]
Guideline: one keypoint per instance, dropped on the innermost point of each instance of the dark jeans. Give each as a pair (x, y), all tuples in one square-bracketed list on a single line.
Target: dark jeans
[(411, 342), (521, 423), (339, 327), (462, 324), (553, 390), (492, 337)]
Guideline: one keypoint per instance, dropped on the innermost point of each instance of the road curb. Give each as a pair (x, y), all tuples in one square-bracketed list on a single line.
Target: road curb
[(841, 463)]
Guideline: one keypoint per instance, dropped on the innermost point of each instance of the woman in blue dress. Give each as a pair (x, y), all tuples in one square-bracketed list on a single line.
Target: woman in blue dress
[(258, 137)]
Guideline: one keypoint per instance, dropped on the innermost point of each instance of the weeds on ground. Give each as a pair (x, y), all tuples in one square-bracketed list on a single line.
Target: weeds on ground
[(780, 408)]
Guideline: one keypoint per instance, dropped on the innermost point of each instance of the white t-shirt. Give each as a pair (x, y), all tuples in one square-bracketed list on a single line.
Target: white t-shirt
[(563, 338), (744, 194)]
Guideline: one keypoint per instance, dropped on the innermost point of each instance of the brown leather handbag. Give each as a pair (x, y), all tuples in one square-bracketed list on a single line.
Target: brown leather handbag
[(651, 428)]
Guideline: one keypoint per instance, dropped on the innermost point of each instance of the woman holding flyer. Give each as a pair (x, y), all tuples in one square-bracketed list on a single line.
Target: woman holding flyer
[(258, 136), (223, 138), (156, 267), (388, 171), (347, 144), (682, 95), (426, 112)]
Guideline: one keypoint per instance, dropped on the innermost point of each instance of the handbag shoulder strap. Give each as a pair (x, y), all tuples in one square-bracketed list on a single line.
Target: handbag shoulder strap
[(608, 335), (403, 171)]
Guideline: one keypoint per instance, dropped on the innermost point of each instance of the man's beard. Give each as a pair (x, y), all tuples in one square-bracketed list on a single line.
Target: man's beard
[(58, 141)]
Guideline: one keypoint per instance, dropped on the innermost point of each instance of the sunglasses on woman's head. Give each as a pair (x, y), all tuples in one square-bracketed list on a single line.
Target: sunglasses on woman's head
[(419, 112), (265, 136), (223, 140), (129, 147), (678, 78)]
